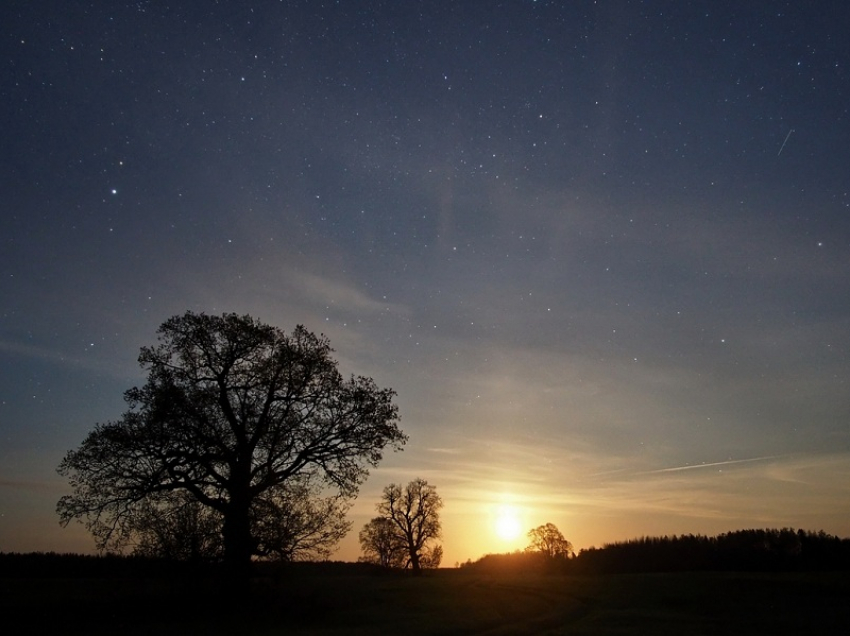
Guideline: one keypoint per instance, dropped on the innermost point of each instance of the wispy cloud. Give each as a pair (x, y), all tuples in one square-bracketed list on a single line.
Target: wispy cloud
[(30, 486), (63, 358), (339, 296)]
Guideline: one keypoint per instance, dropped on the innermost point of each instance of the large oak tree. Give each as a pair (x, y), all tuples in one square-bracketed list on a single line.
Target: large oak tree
[(237, 416)]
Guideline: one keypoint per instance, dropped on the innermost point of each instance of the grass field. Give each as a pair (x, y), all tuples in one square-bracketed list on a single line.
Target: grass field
[(442, 602)]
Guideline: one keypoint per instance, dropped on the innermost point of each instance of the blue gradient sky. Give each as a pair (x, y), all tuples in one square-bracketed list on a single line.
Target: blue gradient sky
[(601, 250)]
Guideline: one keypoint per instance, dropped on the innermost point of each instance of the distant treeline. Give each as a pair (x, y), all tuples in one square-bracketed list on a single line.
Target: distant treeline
[(68, 565), (785, 550), (53, 564)]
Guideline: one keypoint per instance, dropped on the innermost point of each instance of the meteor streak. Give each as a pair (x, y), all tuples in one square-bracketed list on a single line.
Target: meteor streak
[(784, 142)]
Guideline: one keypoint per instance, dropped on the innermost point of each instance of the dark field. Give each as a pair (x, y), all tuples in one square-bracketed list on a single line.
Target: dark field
[(442, 602)]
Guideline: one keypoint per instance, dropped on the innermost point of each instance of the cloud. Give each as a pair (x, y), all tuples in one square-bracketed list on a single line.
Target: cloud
[(444, 451), (32, 351), (97, 362), (31, 486), (338, 297)]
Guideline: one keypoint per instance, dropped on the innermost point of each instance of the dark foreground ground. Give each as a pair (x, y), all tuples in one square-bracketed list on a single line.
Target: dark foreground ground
[(443, 602)]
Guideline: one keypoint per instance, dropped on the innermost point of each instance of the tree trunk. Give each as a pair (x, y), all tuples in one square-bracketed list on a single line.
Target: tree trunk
[(238, 544), (414, 560)]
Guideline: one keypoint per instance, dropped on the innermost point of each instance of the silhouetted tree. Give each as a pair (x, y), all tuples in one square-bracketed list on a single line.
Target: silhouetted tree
[(235, 415), (382, 543), (177, 527), (431, 557), (414, 511), (296, 523), (549, 541), (292, 523)]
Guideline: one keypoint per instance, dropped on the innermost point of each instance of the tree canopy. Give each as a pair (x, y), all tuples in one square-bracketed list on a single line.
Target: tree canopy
[(407, 530), (382, 544), (243, 422), (549, 541)]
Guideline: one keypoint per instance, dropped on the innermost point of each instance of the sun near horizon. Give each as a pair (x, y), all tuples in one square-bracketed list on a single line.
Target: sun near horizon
[(507, 524)]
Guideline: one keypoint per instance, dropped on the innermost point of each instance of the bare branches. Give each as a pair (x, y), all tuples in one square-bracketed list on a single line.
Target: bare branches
[(382, 544), (549, 541), (234, 413), (413, 512)]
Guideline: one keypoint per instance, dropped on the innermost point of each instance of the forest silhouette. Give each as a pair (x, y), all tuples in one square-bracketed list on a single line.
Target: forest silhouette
[(763, 550)]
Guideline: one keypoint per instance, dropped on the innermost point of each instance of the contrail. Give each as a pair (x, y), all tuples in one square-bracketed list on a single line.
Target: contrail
[(784, 142), (726, 463)]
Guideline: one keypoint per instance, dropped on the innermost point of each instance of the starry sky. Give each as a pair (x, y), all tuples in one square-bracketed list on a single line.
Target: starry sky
[(601, 250)]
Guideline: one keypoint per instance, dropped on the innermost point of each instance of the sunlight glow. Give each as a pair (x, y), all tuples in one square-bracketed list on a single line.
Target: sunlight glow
[(507, 524)]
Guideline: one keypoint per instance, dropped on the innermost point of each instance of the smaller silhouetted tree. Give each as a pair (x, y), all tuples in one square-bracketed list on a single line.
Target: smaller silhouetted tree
[(382, 544), (414, 511), (549, 541), (432, 557)]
